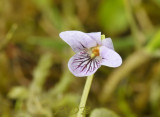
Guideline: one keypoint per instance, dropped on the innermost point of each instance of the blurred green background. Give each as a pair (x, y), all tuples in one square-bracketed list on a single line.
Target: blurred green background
[(34, 77)]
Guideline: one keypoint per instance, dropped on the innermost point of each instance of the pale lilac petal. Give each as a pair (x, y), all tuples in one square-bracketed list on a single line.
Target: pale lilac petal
[(108, 43), (96, 36), (77, 40), (82, 65), (110, 57)]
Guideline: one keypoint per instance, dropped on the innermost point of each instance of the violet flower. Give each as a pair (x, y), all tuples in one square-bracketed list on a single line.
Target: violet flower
[(91, 52)]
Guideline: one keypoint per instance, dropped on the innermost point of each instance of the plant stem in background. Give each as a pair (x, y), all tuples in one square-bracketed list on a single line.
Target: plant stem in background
[(34, 104), (135, 60), (8, 37), (137, 34), (87, 87)]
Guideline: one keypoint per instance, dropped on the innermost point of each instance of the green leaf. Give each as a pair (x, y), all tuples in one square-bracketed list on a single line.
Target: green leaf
[(47, 42), (103, 112), (112, 16), (157, 1), (18, 93), (123, 43)]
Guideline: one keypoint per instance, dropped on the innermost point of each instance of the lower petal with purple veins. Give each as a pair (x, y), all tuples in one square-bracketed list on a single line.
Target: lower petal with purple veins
[(81, 64)]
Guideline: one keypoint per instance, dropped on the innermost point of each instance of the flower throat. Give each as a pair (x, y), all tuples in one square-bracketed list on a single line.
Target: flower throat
[(95, 52)]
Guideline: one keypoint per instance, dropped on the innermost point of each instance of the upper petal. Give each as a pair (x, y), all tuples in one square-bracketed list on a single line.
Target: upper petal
[(82, 65), (96, 36), (110, 57), (77, 40), (108, 43)]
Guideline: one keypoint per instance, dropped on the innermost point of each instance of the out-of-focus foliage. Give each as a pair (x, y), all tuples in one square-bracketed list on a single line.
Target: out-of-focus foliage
[(102, 112), (35, 80), (116, 22)]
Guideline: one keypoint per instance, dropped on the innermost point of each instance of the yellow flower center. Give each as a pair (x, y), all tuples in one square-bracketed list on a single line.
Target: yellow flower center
[(95, 52)]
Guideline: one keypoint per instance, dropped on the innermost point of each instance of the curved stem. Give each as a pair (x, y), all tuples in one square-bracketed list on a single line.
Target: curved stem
[(135, 60), (84, 97)]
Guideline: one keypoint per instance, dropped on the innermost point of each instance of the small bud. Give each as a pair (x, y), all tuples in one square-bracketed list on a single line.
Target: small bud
[(102, 37)]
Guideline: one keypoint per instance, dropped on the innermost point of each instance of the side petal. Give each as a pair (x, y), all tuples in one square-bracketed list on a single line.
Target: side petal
[(77, 40), (108, 43), (110, 57), (96, 36), (82, 65)]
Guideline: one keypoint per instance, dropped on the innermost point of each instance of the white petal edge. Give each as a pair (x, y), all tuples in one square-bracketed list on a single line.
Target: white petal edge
[(108, 43), (110, 57), (96, 36), (77, 40)]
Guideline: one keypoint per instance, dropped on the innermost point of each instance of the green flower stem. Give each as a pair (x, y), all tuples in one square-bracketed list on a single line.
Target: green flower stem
[(84, 97)]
